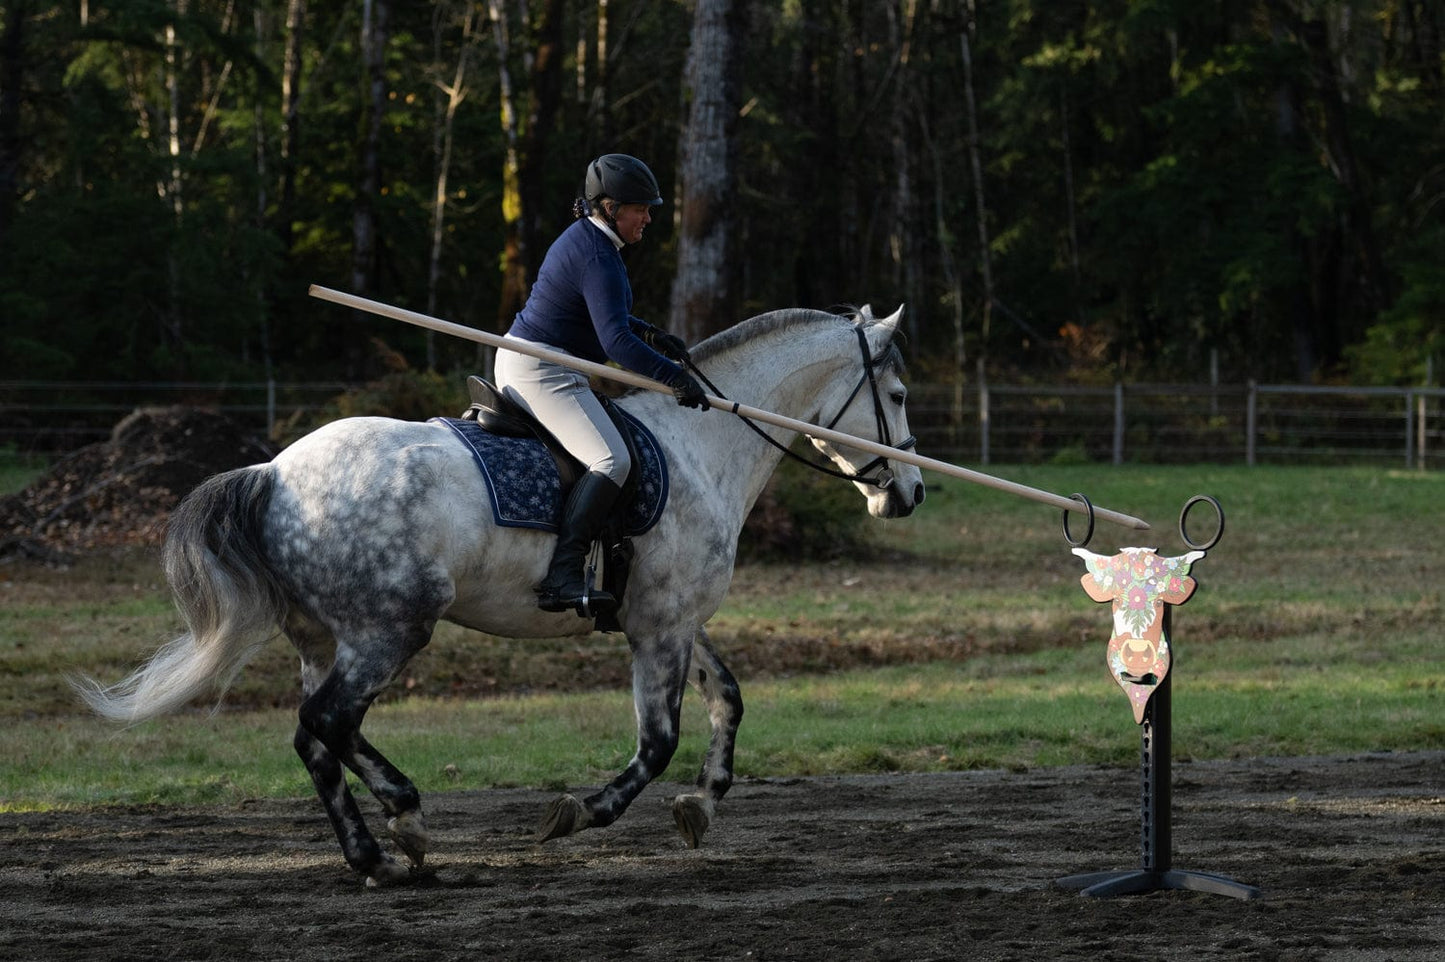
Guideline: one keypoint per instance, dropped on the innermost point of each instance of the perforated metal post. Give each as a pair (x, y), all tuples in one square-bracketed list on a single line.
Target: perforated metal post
[(1155, 782)]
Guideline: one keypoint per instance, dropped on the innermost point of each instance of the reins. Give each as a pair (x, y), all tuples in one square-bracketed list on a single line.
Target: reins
[(884, 479)]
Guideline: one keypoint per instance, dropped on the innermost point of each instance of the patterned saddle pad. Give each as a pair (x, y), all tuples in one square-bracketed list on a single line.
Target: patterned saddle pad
[(526, 492)]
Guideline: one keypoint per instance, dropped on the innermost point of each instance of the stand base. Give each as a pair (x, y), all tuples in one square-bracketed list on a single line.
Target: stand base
[(1138, 881)]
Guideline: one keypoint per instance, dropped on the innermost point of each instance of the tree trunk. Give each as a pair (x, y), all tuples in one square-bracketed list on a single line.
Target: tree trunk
[(290, 123), (541, 118), (12, 74), (363, 222), (704, 293), (514, 271), (981, 210), (1295, 300), (1076, 276), (1357, 289), (903, 236), (260, 28), (1424, 22), (953, 286), (449, 97), (597, 128), (172, 334)]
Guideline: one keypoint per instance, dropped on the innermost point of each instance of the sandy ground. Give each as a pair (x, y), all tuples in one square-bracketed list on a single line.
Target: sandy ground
[(1349, 854)]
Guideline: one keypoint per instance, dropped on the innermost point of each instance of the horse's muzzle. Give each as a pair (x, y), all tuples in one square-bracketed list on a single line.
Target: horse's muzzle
[(897, 504)]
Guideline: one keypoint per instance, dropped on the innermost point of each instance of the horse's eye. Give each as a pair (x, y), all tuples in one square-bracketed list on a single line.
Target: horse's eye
[(899, 397)]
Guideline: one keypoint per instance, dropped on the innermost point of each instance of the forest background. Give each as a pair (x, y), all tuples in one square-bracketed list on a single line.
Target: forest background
[(1096, 191)]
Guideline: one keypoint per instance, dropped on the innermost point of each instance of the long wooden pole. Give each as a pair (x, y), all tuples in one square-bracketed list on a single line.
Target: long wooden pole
[(757, 414)]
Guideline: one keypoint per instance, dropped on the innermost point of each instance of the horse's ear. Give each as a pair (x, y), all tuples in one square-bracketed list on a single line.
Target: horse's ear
[(882, 329), (892, 320)]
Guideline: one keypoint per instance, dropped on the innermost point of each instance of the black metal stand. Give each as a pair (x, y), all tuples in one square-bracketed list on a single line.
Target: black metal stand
[(1155, 872)]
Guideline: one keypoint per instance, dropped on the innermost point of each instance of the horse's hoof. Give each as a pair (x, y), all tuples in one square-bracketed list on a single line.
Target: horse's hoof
[(564, 816), (388, 872), (692, 817), (408, 830)]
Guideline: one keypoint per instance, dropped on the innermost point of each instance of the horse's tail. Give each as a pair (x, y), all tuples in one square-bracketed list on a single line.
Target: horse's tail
[(231, 601)]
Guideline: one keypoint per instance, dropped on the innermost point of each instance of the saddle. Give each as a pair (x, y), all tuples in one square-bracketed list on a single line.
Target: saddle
[(499, 415)]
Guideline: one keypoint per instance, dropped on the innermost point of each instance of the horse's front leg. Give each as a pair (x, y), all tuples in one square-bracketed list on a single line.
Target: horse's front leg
[(693, 812), (659, 670)]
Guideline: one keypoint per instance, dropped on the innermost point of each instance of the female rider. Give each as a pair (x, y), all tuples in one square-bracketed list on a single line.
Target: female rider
[(581, 305)]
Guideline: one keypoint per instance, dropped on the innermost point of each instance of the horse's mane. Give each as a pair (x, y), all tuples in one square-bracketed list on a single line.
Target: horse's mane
[(786, 319)]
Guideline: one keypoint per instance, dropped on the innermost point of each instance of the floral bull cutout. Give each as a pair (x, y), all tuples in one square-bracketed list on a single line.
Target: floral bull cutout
[(1140, 584)]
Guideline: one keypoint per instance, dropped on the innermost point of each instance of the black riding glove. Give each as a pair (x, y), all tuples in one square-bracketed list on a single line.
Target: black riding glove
[(668, 345), (687, 391)]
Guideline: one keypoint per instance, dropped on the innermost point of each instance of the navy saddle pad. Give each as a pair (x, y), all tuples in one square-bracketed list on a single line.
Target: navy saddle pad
[(526, 492)]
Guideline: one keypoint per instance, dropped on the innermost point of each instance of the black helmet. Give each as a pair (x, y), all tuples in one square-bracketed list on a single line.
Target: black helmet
[(623, 178)]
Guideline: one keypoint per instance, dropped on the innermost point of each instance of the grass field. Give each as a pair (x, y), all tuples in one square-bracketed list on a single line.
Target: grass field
[(959, 638)]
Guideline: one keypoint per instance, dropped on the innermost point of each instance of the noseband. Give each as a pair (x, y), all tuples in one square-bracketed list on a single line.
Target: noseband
[(883, 480)]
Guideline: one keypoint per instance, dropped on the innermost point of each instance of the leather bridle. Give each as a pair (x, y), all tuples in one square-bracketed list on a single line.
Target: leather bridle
[(883, 480)]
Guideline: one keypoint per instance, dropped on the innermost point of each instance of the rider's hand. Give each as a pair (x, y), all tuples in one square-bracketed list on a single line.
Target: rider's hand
[(688, 392), (668, 345)]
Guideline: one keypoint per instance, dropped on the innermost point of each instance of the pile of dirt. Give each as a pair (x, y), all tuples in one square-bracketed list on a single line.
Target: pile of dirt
[(120, 491)]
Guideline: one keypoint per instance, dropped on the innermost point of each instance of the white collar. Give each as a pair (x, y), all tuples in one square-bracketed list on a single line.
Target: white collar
[(603, 226)]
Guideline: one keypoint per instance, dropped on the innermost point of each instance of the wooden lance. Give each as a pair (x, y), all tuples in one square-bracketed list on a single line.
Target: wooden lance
[(722, 404)]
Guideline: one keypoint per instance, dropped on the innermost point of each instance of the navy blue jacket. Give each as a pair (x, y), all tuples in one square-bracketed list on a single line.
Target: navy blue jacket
[(582, 303)]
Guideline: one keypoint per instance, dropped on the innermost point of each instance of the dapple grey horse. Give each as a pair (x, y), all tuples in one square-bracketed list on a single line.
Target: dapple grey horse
[(358, 538)]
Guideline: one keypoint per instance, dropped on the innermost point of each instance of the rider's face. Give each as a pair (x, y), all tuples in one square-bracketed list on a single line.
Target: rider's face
[(631, 220)]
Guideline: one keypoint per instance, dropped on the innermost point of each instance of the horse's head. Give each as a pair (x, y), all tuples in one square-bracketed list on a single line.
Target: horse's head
[(874, 410)]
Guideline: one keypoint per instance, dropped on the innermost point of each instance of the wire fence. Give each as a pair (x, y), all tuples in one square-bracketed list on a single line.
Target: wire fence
[(984, 423), (1183, 423), (54, 417)]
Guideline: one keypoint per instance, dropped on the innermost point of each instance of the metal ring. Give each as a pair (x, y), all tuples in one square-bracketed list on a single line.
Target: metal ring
[(1088, 532), (1184, 515)]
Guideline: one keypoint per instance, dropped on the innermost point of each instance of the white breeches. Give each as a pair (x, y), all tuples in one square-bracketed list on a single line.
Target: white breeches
[(562, 401)]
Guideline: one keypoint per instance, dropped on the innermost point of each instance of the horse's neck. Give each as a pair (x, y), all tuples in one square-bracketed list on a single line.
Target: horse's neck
[(789, 375)]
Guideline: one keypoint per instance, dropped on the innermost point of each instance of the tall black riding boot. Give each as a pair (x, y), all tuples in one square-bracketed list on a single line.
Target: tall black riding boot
[(582, 518)]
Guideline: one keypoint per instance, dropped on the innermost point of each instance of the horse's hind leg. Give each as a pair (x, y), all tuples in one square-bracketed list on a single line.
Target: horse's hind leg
[(329, 735), (317, 649), (358, 845), (693, 812)]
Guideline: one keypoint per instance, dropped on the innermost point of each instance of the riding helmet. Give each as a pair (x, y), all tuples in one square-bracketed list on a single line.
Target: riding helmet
[(623, 178)]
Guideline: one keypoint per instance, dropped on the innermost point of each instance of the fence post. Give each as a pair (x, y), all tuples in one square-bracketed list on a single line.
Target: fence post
[(983, 416), (1118, 423), (1421, 430), (270, 407), (1409, 430), (1214, 382), (1422, 424), (1250, 414)]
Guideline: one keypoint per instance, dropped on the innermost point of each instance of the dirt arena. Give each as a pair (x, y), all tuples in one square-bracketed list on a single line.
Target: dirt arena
[(1349, 854)]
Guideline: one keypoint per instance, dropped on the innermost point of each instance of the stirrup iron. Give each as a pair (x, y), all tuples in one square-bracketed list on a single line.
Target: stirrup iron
[(589, 579)]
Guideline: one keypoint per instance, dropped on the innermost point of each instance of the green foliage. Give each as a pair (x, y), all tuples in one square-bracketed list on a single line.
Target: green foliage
[(408, 395), (402, 393), (1166, 178), (803, 515), (1398, 348)]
